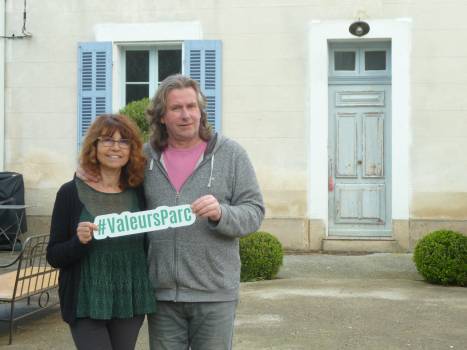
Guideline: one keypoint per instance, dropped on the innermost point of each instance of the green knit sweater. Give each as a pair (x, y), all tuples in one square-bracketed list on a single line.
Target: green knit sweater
[(114, 276)]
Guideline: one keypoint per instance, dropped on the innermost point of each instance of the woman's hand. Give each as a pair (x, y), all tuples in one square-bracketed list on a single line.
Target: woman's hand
[(84, 231)]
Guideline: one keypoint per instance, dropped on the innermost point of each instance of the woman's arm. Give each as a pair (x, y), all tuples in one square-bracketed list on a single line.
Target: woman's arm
[(64, 246)]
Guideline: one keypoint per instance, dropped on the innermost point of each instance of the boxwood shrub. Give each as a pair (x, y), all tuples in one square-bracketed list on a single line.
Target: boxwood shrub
[(136, 110), (441, 257), (261, 255)]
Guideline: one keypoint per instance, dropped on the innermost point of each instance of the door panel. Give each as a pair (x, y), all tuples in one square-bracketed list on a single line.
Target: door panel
[(373, 144), (373, 204), (360, 204), (346, 145), (359, 98), (359, 121)]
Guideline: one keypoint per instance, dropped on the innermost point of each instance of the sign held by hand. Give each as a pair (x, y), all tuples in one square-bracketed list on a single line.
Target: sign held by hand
[(126, 223)]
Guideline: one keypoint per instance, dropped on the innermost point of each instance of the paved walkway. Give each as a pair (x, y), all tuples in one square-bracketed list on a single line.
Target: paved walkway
[(319, 301)]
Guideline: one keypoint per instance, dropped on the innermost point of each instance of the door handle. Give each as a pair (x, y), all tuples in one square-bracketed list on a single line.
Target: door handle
[(359, 162), (330, 177)]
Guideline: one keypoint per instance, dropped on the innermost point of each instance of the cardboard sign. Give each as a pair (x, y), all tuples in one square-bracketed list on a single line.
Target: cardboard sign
[(126, 223)]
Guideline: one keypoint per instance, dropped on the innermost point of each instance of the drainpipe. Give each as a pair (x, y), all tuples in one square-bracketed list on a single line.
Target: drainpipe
[(2, 83)]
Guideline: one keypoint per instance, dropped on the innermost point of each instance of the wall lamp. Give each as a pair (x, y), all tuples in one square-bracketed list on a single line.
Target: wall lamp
[(359, 28)]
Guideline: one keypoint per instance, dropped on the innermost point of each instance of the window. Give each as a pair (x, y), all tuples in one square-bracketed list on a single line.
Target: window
[(344, 60), (146, 67), (140, 70), (357, 59), (375, 60)]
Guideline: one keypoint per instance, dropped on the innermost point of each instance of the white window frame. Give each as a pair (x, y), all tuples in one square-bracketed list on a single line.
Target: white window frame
[(153, 49), (336, 73), (143, 34), (359, 50)]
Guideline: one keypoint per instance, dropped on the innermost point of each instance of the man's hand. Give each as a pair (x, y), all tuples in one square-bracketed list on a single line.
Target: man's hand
[(84, 231), (207, 207), (86, 176)]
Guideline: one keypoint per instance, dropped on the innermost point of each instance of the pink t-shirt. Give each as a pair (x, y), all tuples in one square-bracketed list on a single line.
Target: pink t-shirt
[(180, 163)]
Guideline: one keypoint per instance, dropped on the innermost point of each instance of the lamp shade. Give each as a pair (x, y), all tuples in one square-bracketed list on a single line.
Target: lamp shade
[(359, 28)]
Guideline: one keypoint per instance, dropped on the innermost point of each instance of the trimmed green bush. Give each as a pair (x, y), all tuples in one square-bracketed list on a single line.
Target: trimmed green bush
[(441, 257), (261, 255), (136, 110)]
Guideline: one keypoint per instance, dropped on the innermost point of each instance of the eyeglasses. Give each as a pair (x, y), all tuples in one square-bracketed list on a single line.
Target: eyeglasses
[(109, 142)]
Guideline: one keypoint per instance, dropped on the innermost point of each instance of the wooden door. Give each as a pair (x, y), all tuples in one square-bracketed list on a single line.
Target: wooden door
[(359, 161)]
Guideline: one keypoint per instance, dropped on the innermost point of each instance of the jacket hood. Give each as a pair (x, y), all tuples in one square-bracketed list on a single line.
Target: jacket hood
[(214, 144)]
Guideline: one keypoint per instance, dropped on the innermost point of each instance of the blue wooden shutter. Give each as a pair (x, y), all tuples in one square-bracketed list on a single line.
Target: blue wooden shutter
[(203, 63), (94, 83)]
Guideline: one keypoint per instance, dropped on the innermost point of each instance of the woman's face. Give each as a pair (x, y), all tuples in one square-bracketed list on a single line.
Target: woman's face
[(113, 152)]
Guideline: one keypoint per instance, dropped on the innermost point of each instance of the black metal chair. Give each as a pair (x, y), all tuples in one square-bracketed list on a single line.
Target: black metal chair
[(7, 226), (12, 220)]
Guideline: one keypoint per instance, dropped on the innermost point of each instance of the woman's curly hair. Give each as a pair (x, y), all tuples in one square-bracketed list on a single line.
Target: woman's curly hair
[(132, 173)]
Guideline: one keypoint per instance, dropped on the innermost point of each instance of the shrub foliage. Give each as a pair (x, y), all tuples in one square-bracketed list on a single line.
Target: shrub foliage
[(441, 257), (136, 110), (261, 255)]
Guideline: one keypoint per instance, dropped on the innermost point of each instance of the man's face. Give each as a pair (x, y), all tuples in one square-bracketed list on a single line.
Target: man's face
[(182, 118)]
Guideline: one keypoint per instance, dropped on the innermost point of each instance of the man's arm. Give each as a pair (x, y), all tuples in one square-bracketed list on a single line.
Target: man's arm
[(244, 214)]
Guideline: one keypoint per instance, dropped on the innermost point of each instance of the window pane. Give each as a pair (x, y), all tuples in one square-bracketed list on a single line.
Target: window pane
[(344, 60), (136, 92), (375, 60), (137, 66), (170, 62)]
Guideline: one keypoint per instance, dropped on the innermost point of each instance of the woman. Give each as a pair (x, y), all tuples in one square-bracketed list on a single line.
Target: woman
[(103, 285)]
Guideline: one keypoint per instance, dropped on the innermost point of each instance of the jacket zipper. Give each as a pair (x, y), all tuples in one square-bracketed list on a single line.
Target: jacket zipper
[(177, 199)]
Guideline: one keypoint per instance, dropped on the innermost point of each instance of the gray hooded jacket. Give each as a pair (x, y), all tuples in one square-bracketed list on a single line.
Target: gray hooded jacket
[(201, 262)]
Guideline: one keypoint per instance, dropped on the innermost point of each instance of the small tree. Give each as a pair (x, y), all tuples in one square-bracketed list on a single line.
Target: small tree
[(136, 110), (441, 257), (261, 255)]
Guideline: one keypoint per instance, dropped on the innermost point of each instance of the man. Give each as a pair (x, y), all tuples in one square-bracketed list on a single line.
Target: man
[(195, 270)]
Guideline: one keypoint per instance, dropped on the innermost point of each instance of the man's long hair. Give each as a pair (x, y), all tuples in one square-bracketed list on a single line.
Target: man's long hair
[(158, 108)]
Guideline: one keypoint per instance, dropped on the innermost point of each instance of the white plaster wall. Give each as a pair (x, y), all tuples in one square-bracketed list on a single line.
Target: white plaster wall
[(40, 101), (2, 86), (439, 112), (266, 92)]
